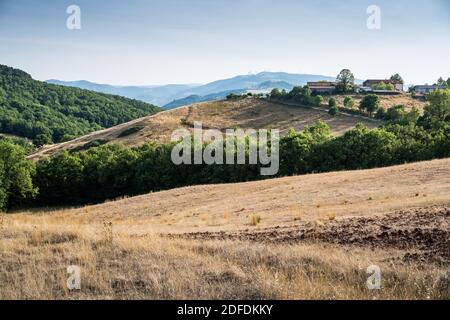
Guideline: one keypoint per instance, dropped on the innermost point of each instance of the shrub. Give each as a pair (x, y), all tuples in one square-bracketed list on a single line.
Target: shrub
[(380, 114), (333, 111), (349, 102), (233, 96), (130, 131), (370, 103), (318, 100), (332, 103)]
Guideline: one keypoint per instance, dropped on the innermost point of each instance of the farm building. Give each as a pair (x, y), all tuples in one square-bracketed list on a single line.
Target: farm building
[(425, 89), (322, 86), (371, 83)]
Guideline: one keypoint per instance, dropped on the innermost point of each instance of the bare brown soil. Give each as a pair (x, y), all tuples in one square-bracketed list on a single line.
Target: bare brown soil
[(424, 233)]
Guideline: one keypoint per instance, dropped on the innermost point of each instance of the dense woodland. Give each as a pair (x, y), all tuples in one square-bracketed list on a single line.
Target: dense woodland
[(47, 113), (110, 171)]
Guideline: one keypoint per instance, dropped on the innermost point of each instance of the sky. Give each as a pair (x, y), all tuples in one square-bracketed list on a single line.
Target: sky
[(137, 42)]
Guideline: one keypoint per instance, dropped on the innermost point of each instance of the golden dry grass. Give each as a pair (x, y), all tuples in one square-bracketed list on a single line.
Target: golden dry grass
[(246, 113), (404, 99), (123, 251), (34, 265), (280, 201)]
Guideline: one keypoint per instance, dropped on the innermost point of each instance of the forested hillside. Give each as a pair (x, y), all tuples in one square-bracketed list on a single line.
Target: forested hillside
[(49, 113)]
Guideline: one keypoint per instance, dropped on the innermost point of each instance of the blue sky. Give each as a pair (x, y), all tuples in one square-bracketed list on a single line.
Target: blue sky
[(197, 41)]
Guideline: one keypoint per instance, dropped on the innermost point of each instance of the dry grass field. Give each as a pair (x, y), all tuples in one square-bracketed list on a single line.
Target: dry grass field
[(246, 113), (304, 237), (387, 101)]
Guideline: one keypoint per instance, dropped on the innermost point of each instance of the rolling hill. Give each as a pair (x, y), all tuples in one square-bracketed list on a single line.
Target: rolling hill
[(314, 238), (47, 112), (247, 113)]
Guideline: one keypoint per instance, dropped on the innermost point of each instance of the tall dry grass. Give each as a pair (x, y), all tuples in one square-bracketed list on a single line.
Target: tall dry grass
[(118, 265)]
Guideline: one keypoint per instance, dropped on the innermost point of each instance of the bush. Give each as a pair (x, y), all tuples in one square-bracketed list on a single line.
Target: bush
[(349, 102), (233, 96), (42, 139), (381, 114), (318, 100), (370, 103), (332, 103), (333, 111), (130, 131)]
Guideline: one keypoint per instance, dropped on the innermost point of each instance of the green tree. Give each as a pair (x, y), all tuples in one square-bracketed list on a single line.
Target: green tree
[(333, 111), (296, 148), (349, 102), (379, 86), (345, 81), (275, 93), (16, 174), (318, 100), (370, 103), (437, 112), (42, 139), (441, 82), (390, 87), (397, 77), (60, 179), (332, 103)]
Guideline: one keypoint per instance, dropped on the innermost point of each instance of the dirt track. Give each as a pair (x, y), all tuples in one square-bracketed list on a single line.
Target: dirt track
[(424, 233)]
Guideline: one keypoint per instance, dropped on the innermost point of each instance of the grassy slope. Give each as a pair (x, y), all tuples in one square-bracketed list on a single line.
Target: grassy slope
[(129, 259), (387, 101), (280, 201), (247, 113)]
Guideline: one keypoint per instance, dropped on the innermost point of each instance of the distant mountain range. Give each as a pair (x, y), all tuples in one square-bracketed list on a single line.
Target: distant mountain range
[(175, 95)]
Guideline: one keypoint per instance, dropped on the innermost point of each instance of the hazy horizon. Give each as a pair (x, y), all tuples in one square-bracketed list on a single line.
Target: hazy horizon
[(179, 42)]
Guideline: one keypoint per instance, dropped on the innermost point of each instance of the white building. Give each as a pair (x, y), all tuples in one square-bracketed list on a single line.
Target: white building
[(425, 89)]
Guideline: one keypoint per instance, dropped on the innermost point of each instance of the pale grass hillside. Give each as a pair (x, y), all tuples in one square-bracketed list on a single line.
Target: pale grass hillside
[(387, 101), (222, 115), (35, 258), (277, 202), (299, 237)]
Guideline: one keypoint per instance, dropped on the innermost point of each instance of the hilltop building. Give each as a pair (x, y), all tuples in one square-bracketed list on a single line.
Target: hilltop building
[(322, 86), (425, 89), (372, 82)]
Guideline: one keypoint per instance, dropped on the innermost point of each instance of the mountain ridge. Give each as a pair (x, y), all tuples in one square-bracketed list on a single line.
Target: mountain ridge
[(172, 94)]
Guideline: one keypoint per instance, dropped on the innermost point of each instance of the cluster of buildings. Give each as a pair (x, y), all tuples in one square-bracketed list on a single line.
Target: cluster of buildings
[(370, 85)]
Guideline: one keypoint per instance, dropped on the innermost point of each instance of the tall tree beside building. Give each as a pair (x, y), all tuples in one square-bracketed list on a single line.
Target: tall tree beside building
[(345, 81), (397, 77)]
